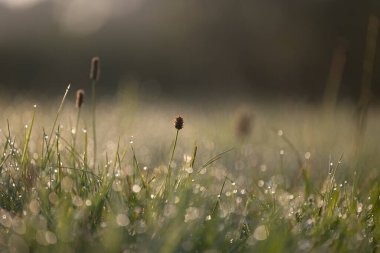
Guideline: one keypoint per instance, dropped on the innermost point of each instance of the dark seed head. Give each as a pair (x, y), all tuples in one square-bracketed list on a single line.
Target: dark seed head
[(80, 98), (178, 123), (243, 126), (244, 123), (95, 69)]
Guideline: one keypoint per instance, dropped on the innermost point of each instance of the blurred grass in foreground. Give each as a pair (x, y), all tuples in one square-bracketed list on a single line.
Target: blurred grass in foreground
[(292, 183)]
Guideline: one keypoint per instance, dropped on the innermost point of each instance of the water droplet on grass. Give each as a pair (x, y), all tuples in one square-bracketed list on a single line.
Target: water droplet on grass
[(88, 202), (50, 237), (136, 188), (6, 220), (34, 207), (53, 198), (261, 233), (192, 213), (17, 244), (170, 210), (77, 201), (122, 220), (359, 208)]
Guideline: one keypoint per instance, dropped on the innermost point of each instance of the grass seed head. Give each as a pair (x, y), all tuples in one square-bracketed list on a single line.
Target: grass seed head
[(95, 69), (80, 98), (178, 123), (244, 123)]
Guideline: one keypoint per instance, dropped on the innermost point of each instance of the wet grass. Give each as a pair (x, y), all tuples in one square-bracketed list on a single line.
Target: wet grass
[(292, 182)]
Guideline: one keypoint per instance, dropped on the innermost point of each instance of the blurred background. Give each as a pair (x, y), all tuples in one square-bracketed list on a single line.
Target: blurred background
[(189, 49)]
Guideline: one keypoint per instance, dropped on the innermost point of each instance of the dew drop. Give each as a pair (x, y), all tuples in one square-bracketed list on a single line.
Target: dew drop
[(53, 197), (189, 170), (263, 167), (192, 213), (261, 233), (50, 237), (77, 201), (34, 207), (203, 171), (88, 202), (122, 220), (136, 188)]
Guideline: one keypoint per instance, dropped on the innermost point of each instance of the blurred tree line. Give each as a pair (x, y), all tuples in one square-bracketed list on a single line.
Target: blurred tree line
[(190, 48)]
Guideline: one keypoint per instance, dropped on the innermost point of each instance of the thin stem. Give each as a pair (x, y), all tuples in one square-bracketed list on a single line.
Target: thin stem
[(93, 117), (73, 149), (219, 196), (27, 140), (57, 115), (171, 159), (48, 150), (76, 128)]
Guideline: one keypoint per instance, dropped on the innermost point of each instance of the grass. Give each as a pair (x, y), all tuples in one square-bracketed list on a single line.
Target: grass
[(301, 189)]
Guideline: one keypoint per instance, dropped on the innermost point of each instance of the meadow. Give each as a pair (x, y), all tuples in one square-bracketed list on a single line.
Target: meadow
[(238, 177)]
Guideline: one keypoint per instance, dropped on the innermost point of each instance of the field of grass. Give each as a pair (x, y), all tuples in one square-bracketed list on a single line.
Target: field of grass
[(296, 180)]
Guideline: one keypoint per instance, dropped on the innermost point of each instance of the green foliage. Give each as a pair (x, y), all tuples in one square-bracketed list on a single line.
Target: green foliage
[(53, 199)]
